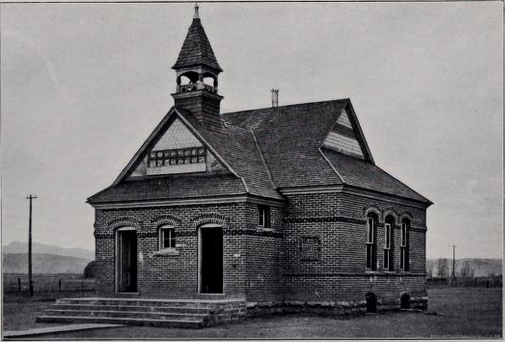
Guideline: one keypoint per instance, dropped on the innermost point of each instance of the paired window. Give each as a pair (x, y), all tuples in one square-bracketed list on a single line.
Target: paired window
[(167, 237), (388, 244), (193, 155), (371, 244), (310, 248), (264, 216), (404, 246)]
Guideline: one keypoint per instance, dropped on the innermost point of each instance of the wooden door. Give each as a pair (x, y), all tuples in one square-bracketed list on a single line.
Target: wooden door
[(127, 261)]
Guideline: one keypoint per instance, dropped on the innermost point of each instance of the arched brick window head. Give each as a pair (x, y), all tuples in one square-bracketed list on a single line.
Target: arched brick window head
[(371, 241)]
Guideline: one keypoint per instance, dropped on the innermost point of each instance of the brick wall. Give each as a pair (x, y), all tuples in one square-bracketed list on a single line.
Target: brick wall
[(267, 265), (263, 256), (172, 275), (339, 220), (250, 254)]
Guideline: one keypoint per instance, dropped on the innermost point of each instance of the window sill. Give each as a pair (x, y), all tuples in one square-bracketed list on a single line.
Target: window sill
[(166, 252), (263, 229)]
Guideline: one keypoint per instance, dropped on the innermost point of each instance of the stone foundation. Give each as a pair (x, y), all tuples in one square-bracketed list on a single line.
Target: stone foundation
[(329, 308)]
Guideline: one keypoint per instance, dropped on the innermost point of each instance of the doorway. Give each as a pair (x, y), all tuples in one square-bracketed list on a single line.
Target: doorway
[(211, 259), (126, 260), (371, 302), (405, 301)]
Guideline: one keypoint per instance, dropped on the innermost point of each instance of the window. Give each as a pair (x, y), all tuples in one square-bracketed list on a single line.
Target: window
[(404, 246), (371, 245), (264, 216), (387, 245), (310, 248), (389, 226), (193, 155), (167, 237)]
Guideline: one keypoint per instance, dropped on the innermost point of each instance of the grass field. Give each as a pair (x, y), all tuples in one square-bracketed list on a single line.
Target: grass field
[(461, 313)]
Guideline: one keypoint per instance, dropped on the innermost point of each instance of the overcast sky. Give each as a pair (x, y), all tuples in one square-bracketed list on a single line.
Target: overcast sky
[(83, 85)]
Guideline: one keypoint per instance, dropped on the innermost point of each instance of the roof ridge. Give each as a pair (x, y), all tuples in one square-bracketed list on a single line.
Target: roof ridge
[(331, 165), (287, 106), (263, 158)]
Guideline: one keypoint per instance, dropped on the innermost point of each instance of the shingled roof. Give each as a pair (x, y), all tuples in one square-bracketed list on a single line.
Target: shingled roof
[(237, 148), (365, 175), (175, 187), (290, 138), (196, 49), (265, 149)]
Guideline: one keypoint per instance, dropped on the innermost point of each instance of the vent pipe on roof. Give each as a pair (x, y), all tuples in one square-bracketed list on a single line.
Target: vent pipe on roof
[(275, 97)]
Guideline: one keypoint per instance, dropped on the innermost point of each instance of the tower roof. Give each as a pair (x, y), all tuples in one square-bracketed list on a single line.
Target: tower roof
[(196, 49)]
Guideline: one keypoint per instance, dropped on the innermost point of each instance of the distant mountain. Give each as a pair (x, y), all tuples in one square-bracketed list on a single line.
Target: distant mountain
[(39, 248), (42, 263), (476, 266)]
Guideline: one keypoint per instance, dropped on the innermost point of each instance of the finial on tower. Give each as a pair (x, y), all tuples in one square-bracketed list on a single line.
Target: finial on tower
[(196, 16)]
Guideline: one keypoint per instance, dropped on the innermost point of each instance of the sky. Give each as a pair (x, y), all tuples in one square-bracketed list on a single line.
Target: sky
[(83, 85)]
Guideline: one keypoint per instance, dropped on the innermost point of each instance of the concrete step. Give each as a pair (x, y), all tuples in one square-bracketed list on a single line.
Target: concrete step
[(212, 296), (193, 303), (190, 313), (172, 323), (127, 314), (145, 308)]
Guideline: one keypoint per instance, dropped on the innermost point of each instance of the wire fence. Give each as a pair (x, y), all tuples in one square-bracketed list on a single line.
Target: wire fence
[(491, 281), (49, 285)]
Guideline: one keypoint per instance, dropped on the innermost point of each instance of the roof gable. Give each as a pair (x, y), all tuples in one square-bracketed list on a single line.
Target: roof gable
[(172, 132), (289, 138), (176, 151), (232, 148), (346, 136)]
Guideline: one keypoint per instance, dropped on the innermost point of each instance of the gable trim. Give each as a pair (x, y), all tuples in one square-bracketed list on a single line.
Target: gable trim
[(133, 162), (361, 135), (143, 147), (356, 128), (203, 141)]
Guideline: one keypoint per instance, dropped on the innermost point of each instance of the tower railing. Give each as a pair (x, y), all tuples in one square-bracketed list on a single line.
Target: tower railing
[(196, 86)]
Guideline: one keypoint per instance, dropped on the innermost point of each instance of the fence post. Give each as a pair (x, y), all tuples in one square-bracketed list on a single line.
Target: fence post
[(82, 286), (59, 285), (19, 284)]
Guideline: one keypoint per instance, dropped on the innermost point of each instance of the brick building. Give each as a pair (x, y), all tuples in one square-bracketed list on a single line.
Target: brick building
[(282, 206)]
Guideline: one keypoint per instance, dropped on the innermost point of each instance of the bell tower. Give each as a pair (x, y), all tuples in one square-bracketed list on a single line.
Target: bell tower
[(197, 73)]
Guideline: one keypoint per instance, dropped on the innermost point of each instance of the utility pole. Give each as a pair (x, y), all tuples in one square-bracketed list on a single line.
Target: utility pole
[(30, 281), (453, 263)]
